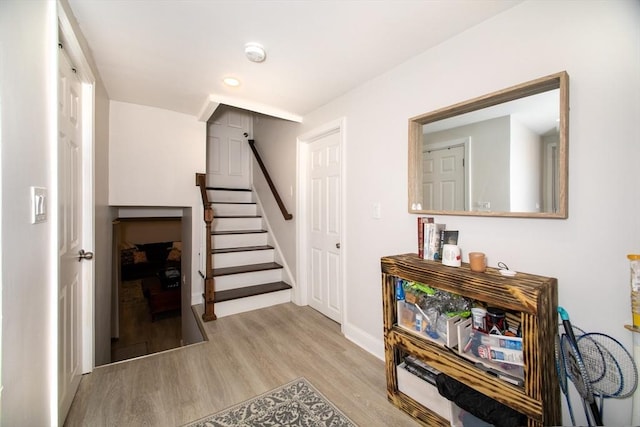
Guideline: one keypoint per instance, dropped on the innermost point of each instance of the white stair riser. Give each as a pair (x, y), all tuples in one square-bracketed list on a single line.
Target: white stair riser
[(227, 308), (225, 209), (233, 259), (234, 281), (230, 196), (238, 240), (227, 224)]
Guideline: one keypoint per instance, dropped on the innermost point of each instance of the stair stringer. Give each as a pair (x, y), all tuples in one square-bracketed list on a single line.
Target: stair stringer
[(287, 275)]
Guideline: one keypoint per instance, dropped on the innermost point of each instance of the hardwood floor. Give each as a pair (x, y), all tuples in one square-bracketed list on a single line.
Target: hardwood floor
[(245, 355), (139, 333)]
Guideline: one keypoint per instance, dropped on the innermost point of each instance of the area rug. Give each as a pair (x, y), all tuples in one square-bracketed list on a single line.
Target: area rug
[(297, 403), (131, 291)]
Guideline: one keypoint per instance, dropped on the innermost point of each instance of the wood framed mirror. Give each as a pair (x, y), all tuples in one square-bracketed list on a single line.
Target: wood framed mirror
[(503, 154)]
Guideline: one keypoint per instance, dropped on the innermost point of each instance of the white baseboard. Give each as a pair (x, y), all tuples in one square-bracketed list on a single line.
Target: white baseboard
[(369, 343)]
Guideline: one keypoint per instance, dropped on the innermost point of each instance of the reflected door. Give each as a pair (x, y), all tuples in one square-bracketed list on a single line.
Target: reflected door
[(443, 178)]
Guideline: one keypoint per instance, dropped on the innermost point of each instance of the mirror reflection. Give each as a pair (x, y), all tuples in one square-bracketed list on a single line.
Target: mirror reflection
[(503, 154)]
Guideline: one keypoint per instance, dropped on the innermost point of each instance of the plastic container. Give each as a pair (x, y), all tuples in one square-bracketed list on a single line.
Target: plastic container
[(634, 261)]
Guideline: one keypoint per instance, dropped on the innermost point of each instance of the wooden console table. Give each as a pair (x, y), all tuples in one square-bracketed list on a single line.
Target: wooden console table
[(533, 297)]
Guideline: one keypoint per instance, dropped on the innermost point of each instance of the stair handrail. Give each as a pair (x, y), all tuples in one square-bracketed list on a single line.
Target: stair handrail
[(209, 284), (287, 216)]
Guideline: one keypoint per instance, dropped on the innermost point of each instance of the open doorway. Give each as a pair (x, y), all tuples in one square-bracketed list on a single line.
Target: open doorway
[(147, 289)]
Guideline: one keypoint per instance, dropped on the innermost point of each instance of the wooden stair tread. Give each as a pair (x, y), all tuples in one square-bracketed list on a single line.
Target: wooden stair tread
[(241, 249), (232, 203), (228, 189), (250, 291), (238, 232), (236, 216), (245, 269)]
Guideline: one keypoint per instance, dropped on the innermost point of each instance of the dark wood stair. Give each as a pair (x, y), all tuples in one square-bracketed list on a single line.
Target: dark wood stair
[(241, 249), (245, 269), (250, 291)]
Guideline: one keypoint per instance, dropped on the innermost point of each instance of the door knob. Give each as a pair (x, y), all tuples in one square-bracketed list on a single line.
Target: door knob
[(338, 245), (84, 255)]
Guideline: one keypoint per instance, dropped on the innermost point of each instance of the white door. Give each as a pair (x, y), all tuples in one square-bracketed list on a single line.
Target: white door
[(228, 157), (70, 192), (323, 226), (443, 178)]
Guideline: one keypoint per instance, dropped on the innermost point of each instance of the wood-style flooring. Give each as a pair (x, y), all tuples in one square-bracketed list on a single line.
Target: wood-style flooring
[(245, 355), (139, 333)]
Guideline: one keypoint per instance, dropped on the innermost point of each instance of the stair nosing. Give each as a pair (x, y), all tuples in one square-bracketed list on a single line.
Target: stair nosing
[(242, 249), (232, 203), (238, 216), (227, 189), (248, 268), (227, 232), (249, 291)]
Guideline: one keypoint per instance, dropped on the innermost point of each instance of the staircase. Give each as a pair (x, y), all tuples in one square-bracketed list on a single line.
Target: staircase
[(245, 272)]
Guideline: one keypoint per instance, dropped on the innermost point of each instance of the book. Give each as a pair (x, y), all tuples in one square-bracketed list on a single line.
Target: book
[(422, 220), (432, 240), (447, 237)]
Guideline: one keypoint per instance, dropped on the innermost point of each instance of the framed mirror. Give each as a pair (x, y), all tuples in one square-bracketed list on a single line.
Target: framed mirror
[(502, 154)]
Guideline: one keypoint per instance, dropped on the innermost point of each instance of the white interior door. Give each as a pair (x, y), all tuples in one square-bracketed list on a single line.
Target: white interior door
[(70, 210), (228, 157), (324, 275), (443, 182)]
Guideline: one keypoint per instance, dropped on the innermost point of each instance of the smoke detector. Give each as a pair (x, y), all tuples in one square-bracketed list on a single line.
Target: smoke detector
[(254, 52)]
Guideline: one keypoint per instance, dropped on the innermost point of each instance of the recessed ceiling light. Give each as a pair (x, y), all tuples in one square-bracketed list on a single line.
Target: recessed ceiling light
[(231, 81), (255, 52)]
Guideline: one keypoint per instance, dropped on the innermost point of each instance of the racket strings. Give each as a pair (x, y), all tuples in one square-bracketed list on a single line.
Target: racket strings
[(617, 374)]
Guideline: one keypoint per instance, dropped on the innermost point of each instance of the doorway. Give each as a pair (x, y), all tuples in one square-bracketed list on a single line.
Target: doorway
[(75, 200), (148, 260), (320, 202)]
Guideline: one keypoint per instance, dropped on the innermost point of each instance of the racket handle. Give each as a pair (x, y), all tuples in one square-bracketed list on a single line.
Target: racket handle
[(566, 323)]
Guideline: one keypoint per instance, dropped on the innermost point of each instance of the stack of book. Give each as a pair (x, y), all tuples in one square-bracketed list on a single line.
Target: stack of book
[(431, 238)]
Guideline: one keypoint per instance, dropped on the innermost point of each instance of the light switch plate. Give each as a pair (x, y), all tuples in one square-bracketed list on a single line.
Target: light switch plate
[(38, 205)]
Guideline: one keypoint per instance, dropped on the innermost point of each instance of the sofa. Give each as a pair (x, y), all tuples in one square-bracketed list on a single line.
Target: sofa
[(141, 260)]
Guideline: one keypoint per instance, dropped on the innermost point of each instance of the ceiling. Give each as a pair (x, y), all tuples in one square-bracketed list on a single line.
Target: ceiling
[(173, 54)]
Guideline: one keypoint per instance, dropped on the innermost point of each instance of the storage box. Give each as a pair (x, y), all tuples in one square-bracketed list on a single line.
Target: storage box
[(411, 317), (424, 393), (498, 355)]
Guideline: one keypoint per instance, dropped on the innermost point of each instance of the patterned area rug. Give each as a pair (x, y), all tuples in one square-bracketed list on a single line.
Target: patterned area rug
[(297, 403)]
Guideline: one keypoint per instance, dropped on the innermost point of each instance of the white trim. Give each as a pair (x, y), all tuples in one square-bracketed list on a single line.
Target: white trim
[(364, 340), (73, 48), (213, 101), (302, 152)]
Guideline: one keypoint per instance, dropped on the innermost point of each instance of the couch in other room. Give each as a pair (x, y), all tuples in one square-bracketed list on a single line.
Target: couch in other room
[(141, 260)]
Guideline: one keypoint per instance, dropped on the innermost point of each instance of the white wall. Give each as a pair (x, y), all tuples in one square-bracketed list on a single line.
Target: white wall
[(598, 44), (27, 91), (274, 139), (154, 155)]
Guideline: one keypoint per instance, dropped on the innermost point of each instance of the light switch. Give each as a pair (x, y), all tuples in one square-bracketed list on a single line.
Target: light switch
[(38, 205), (377, 210)]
